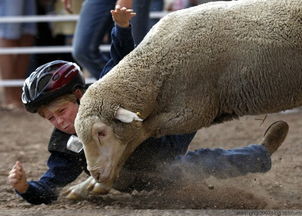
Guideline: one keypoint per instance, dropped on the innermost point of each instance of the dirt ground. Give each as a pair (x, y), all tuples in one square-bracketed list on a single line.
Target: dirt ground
[(24, 137)]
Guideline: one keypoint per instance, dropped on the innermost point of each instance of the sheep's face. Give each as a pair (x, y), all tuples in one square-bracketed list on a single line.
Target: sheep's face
[(103, 152), (107, 147)]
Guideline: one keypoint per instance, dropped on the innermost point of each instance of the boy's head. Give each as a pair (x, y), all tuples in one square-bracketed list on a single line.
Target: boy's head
[(49, 82), (62, 111)]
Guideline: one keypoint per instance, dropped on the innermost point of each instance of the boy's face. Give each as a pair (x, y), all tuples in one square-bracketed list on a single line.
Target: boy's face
[(61, 115)]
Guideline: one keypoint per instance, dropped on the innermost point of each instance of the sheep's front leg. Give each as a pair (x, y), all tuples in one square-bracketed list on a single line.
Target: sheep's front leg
[(83, 189)]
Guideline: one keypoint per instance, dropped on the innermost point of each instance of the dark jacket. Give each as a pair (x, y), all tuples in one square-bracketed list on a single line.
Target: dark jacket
[(64, 166)]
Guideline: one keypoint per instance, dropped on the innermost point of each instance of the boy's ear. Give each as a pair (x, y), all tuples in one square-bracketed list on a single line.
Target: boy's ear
[(78, 93)]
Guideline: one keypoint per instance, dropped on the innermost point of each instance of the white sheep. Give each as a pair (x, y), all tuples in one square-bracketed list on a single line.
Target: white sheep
[(196, 67)]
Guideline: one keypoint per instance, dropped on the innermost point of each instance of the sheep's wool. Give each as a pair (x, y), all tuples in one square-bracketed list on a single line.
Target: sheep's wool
[(200, 66)]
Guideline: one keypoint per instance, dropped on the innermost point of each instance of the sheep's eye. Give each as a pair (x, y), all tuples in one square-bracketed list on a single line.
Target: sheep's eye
[(101, 134)]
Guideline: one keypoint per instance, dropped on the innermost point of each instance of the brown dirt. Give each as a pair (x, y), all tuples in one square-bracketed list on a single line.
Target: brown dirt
[(24, 137)]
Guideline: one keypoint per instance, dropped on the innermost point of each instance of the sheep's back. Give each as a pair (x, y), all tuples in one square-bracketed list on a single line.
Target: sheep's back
[(198, 48), (210, 50)]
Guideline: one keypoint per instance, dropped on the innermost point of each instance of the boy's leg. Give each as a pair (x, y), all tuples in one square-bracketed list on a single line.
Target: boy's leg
[(274, 136), (221, 163), (199, 165), (147, 168), (142, 169)]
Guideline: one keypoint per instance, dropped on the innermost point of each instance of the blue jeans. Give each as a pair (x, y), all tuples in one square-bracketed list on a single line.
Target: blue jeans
[(221, 163), (94, 22), (142, 23), (168, 156), (167, 159), (14, 31), (156, 6)]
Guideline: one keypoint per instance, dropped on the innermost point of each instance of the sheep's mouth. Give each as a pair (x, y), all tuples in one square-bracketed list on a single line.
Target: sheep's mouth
[(102, 175)]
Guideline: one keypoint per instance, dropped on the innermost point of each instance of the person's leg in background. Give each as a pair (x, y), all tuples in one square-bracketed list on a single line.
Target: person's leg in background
[(140, 23), (156, 6), (24, 60), (94, 22), (7, 67), (15, 35)]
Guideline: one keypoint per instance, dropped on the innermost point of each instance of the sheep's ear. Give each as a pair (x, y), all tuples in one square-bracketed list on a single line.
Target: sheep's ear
[(127, 116)]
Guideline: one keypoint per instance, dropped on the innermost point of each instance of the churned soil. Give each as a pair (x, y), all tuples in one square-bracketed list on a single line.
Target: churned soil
[(24, 137)]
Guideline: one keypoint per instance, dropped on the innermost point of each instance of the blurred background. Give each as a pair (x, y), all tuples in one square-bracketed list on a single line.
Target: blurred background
[(33, 32)]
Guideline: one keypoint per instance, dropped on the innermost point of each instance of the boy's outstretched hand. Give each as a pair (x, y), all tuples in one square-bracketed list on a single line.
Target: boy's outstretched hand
[(17, 178), (122, 16)]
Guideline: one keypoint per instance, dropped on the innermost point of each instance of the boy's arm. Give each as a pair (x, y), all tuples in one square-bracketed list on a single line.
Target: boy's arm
[(63, 169), (17, 178), (121, 38), (121, 44)]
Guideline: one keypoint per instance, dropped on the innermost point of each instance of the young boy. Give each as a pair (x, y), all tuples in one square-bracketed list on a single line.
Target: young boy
[(54, 91)]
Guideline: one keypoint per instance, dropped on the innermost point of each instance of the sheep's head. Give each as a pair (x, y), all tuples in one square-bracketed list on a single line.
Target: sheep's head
[(108, 145)]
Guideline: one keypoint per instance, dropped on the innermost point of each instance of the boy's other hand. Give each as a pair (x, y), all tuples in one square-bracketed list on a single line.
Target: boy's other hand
[(17, 178), (122, 16)]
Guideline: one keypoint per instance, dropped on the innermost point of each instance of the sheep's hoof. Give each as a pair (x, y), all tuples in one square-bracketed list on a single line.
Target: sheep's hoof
[(100, 189), (73, 196), (82, 190), (76, 193)]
